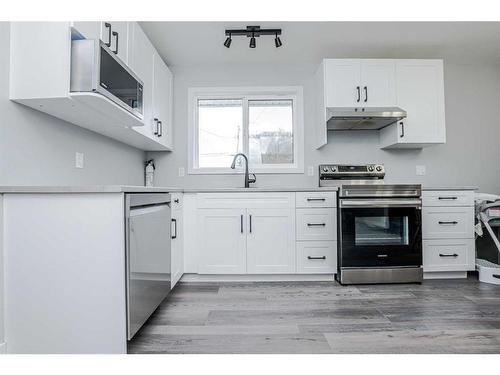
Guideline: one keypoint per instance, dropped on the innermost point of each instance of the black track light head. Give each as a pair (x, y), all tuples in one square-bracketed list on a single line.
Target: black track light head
[(227, 43), (277, 41), (252, 41)]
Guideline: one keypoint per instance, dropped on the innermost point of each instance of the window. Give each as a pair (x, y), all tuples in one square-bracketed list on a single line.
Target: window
[(264, 124)]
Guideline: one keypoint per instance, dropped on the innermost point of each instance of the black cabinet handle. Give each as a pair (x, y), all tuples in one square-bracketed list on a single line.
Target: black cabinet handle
[(496, 276), (175, 222), (359, 93), (156, 126), (250, 217), (107, 25), (160, 129), (316, 224), (116, 36), (366, 93), (448, 222), (316, 258), (316, 199), (447, 198), (448, 255), (176, 200), (402, 130)]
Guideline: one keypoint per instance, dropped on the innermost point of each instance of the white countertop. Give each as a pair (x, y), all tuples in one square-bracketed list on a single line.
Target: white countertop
[(166, 189)]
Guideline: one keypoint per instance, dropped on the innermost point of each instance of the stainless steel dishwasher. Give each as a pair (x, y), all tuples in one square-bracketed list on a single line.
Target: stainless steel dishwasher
[(148, 227)]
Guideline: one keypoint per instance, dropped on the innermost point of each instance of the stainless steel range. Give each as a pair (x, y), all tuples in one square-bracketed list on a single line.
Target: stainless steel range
[(379, 225)]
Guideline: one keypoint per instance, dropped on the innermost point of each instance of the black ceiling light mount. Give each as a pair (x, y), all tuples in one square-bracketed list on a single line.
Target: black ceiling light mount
[(253, 32)]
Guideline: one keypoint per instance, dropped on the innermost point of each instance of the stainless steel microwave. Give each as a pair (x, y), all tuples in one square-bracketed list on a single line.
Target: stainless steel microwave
[(97, 69)]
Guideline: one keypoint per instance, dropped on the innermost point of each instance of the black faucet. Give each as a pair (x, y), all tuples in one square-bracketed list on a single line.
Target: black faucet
[(248, 180)]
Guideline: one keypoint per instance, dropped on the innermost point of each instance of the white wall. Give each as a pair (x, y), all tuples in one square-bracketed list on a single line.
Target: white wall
[(470, 157), (37, 149)]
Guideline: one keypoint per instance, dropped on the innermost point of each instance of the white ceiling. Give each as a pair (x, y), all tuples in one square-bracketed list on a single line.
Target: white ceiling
[(201, 43)]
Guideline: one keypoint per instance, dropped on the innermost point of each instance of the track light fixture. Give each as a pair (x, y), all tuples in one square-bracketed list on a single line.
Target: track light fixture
[(253, 32)]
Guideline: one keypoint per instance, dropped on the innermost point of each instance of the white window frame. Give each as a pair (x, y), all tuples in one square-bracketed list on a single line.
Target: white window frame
[(294, 93)]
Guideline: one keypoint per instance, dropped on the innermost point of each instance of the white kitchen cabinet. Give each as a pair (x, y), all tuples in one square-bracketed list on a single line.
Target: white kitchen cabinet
[(163, 101), (448, 255), (359, 83), (222, 241), (315, 257), (271, 240), (114, 33), (447, 222), (316, 224), (420, 92), (342, 80), (177, 242)]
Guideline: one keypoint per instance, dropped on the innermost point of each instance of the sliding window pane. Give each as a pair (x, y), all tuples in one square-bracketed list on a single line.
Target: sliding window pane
[(270, 132), (220, 132)]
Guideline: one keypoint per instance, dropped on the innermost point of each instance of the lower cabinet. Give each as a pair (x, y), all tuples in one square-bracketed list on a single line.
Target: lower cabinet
[(177, 242), (271, 240), (222, 241), (316, 257), (240, 241), (448, 255)]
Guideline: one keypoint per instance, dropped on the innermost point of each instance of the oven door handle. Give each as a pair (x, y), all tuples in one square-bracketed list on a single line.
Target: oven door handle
[(344, 203)]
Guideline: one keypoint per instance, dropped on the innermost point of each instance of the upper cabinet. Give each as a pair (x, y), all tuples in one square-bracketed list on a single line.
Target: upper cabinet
[(359, 83), (47, 70), (114, 34), (420, 92), (416, 86)]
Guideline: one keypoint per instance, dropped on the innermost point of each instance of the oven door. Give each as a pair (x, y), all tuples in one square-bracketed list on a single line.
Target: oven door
[(380, 233)]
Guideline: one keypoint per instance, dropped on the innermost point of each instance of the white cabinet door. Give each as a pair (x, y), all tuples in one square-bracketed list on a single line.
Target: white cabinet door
[(141, 62), (378, 86), (420, 92), (109, 32), (162, 100), (342, 82), (221, 241), (177, 239), (271, 241)]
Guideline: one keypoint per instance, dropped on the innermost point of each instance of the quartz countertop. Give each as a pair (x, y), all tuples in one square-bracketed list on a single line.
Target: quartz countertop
[(166, 189)]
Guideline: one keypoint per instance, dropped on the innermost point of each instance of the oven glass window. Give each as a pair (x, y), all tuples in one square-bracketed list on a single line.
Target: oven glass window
[(381, 230)]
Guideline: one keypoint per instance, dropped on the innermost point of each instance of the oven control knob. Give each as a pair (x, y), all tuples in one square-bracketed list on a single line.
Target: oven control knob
[(333, 169), (370, 168), (325, 169), (379, 168)]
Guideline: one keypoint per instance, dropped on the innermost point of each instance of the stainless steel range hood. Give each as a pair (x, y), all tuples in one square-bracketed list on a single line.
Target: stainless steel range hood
[(342, 118)]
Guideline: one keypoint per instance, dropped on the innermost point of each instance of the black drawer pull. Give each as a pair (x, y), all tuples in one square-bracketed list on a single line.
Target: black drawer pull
[(316, 224), (448, 255), (448, 222), (496, 276), (316, 199), (316, 258), (447, 198)]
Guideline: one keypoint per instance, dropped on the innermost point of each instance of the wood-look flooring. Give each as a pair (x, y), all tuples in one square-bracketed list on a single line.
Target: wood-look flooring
[(438, 316)]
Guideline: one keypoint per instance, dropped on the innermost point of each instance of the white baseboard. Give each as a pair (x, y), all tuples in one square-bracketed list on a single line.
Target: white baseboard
[(194, 277), (445, 275), (3, 348)]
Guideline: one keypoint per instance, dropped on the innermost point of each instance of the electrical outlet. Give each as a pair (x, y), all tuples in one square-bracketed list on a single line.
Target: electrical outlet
[(310, 170), (420, 170), (79, 160), (182, 172)]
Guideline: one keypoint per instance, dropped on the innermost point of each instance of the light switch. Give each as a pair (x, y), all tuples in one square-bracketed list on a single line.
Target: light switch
[(420, 170), (310, 170), (79, 160), (182, 172)]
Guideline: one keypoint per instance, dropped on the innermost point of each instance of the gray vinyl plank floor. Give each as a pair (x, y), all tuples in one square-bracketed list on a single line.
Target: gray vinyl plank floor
[(437, 316)]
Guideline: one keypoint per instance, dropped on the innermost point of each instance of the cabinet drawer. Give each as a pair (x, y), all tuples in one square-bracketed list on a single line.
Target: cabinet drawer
[(317, 257), (316, 224), (316, 199), (447, 198), (246, 200), (447, 222), (449, 255)]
